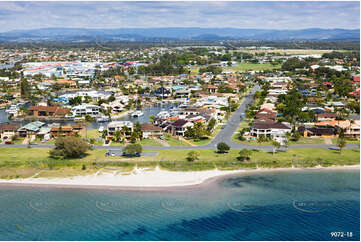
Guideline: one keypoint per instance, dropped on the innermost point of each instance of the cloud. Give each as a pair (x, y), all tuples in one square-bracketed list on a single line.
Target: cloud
[(259, 15)]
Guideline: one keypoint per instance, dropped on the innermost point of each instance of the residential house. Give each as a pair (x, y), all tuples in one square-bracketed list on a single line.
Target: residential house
[(7, 131), (150, 130), (269, 128), (351, 128), (48, 111), (118, 125), (66, 130), (30, 129), (327, 132), (326, 116), (84, 109), (211, 89), (179, 127)]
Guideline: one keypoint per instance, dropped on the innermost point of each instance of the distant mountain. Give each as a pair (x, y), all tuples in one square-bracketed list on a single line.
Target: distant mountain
[(179, 34)]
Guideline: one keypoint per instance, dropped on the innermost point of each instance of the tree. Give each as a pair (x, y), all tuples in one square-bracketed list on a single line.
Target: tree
[(138, 134), (261, 138), (133, 149), (240, 134), (244, 154), (193, 156), (341, 143), (222, 148), (291, 105), (24, 88), (104, 133), (69, 147), (211, 124), (118, 135), (276, 145), (89, 118), (152, 118), (296, 136)]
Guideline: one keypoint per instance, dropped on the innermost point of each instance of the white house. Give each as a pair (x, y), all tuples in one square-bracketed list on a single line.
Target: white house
[(81, 110), (118, 125)]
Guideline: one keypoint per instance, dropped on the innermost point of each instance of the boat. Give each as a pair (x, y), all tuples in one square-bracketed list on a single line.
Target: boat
[(183, 105), (102, 119), (163, 114), (13, 109), (79, 119), (137, 114)]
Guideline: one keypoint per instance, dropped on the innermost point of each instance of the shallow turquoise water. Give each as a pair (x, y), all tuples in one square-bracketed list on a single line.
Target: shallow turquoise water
[(297, 205)]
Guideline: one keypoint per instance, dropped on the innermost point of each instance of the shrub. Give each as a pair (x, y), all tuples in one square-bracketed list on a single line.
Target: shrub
[(69, 147), (132, 149), (244, 154), (193, 156), (223, 147)]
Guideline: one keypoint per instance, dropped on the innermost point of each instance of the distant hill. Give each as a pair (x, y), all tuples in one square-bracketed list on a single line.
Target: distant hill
[(179, 34)]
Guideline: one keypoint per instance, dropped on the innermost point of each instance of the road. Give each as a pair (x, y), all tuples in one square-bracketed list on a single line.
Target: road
[(224, 135)]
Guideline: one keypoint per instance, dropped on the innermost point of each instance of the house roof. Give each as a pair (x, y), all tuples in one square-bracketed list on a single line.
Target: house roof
[(211, 87), (150, 127), (61, 128), (33, 126), (326, 115), (179, 123), (57, 110), (267, 125), (318, 130), (11, 127)]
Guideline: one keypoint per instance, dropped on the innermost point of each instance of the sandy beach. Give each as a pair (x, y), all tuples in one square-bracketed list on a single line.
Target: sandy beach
[(145, 178)]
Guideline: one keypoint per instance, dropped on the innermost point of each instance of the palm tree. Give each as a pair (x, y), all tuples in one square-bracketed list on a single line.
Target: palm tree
[(118, 135)]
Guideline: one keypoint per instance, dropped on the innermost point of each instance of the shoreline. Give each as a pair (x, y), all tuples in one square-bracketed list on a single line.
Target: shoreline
[(142, 179)]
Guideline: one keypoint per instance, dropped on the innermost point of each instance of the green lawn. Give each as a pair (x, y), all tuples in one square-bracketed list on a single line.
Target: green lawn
[(244, 123), (304, 140), (14, 162), (19, 140), (113, 143), (143, 142), (174, 141), (91, 133), (50, 142), (207, 141), (348, 140), (150, 142), (304, 157), (240, 67)]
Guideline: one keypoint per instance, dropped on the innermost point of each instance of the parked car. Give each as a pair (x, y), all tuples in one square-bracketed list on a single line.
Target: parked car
[(33, 143), (130, 155), (9, 143)]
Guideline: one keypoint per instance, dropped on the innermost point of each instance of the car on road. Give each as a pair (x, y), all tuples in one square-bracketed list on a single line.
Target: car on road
[(109, 153), (131, 155)]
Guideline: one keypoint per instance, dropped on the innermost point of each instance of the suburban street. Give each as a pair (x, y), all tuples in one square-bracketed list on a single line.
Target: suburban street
[(224, 135)]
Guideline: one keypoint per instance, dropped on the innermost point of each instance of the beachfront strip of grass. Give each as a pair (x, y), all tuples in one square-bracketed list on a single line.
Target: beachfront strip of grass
[(35, 162)]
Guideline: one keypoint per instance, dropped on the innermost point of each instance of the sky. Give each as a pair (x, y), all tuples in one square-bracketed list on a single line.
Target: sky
[(258, 15)]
